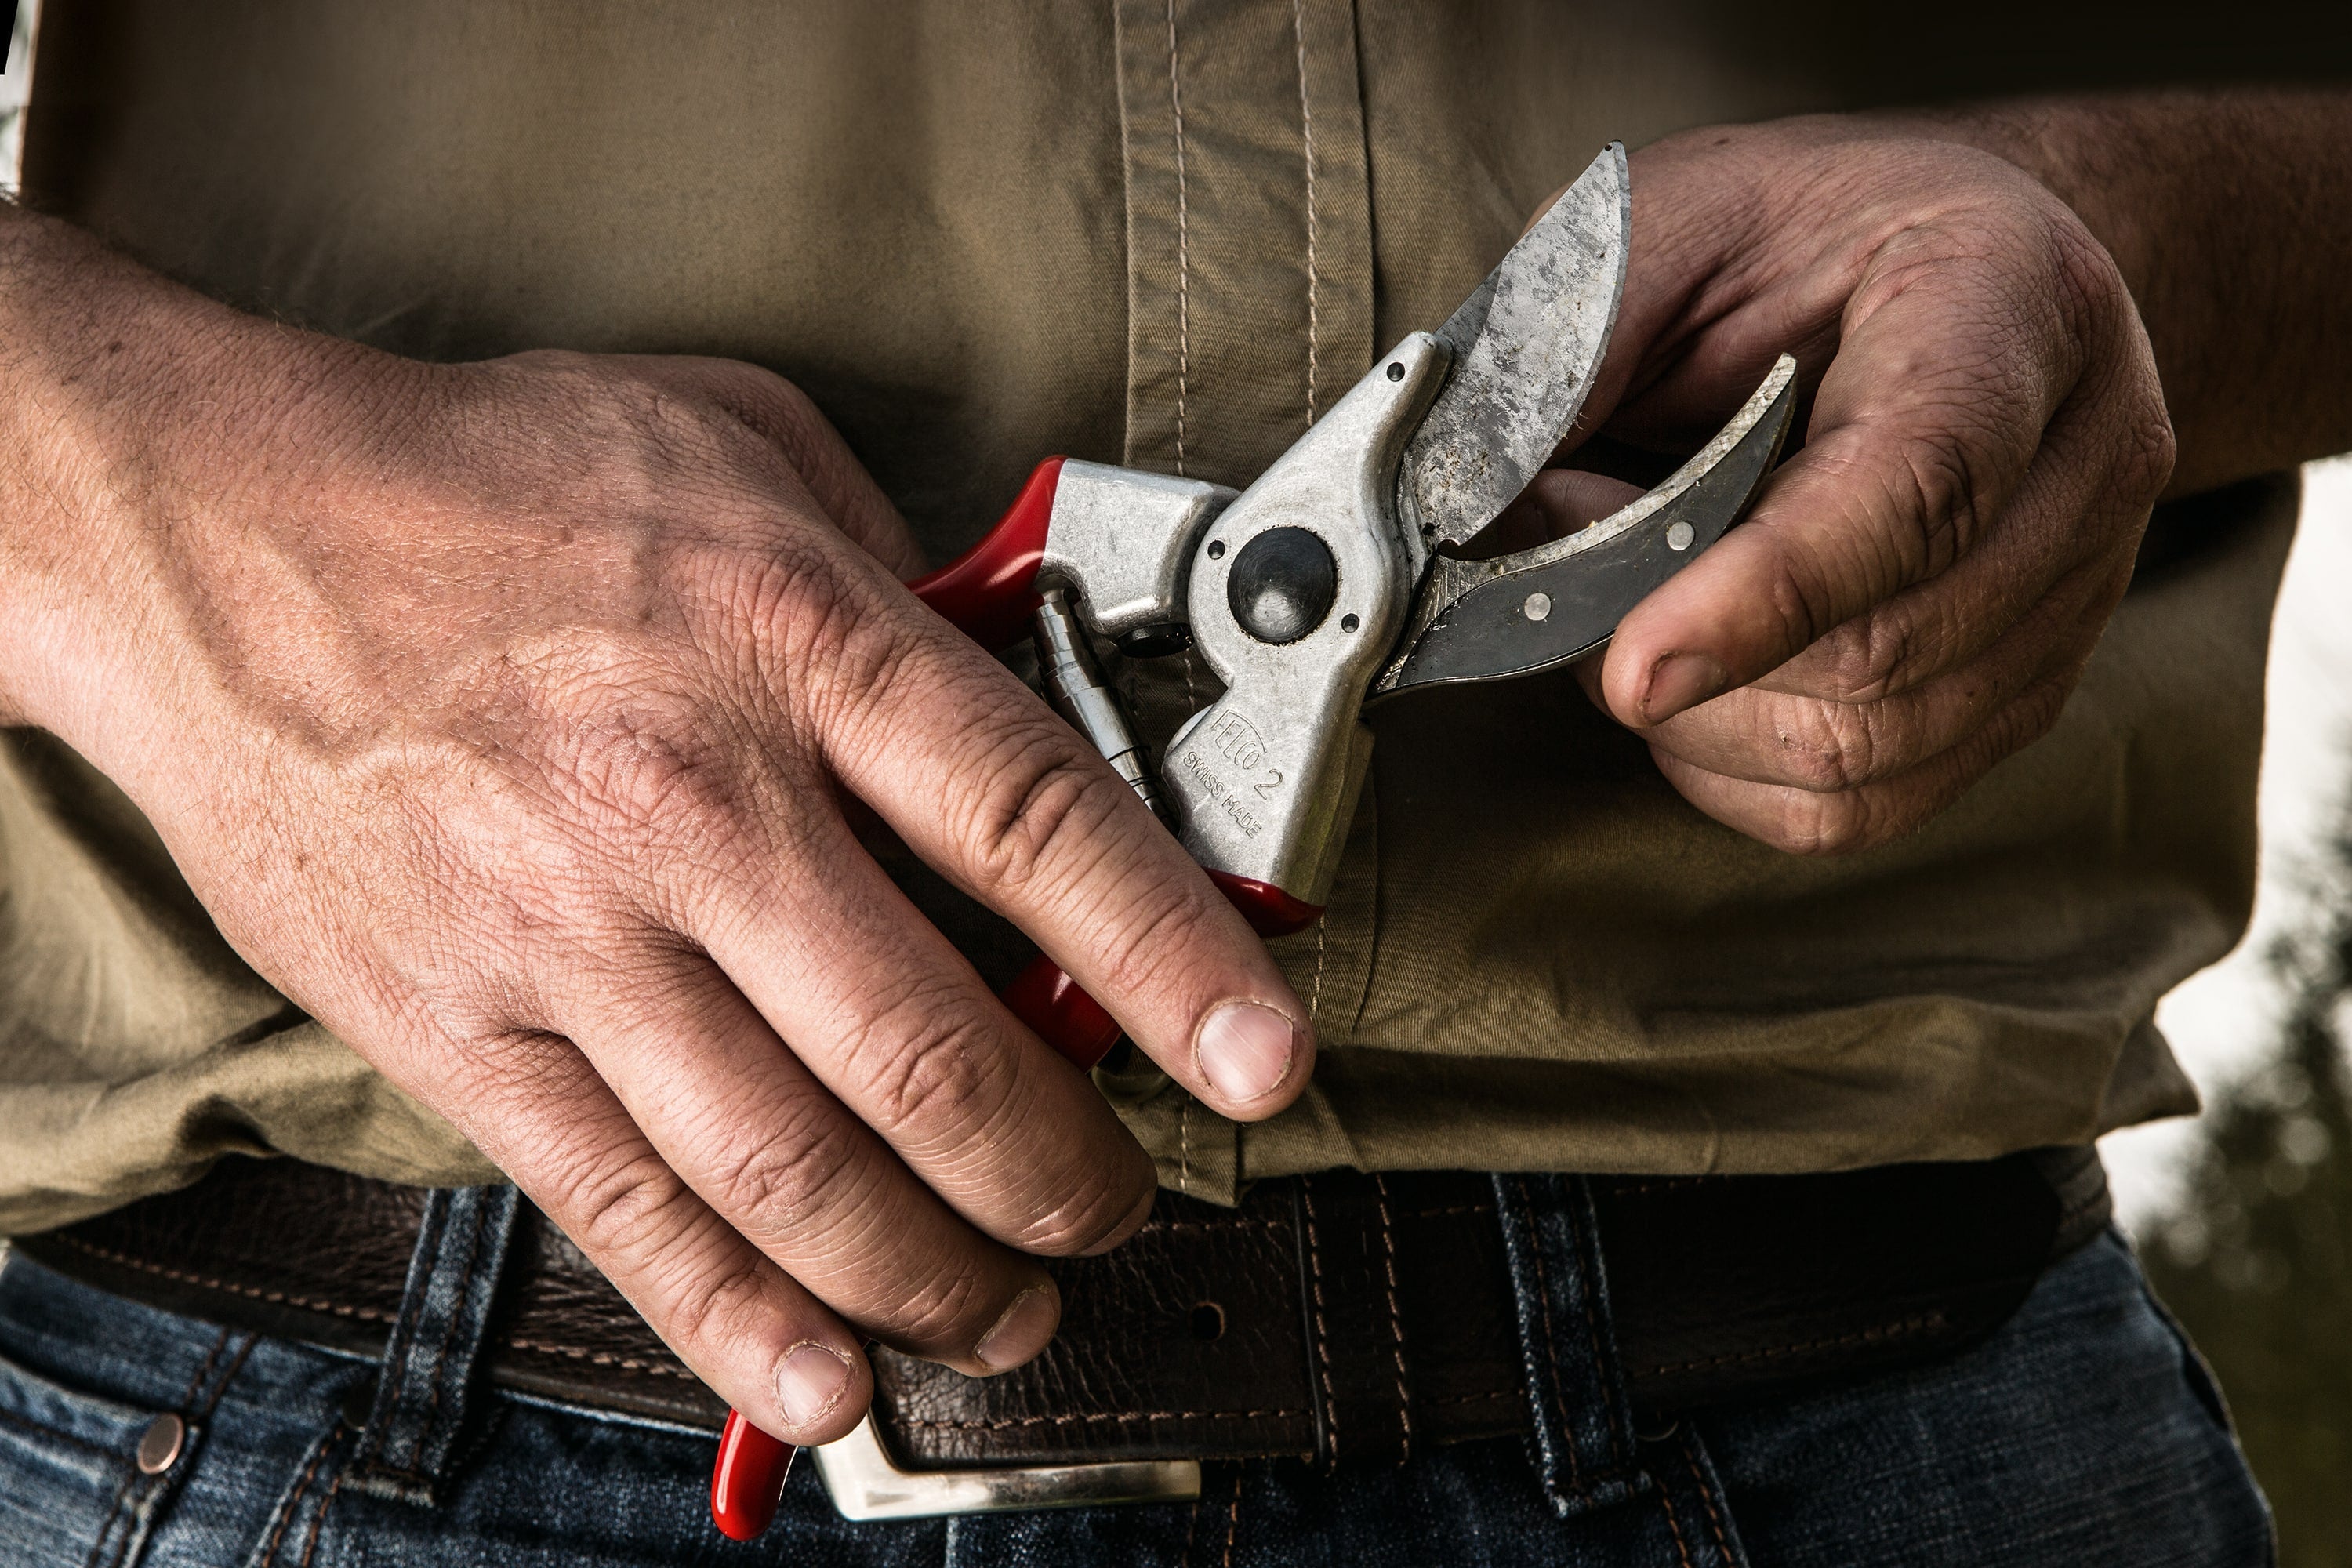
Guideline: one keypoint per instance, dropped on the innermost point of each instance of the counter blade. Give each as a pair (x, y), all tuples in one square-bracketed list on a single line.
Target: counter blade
[(1515, 614)]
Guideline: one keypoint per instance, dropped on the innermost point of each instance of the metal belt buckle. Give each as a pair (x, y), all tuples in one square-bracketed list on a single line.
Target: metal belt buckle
[(866, 1483)]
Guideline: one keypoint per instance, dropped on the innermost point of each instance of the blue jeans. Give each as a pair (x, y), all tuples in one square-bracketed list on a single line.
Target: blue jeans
[(2084, 1433)]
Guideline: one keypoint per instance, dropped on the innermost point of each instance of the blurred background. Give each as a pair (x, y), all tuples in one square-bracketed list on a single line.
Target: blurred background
[(2243, 1216)]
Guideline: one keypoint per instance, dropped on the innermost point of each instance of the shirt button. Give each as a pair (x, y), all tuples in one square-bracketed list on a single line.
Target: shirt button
[(160, 1446)]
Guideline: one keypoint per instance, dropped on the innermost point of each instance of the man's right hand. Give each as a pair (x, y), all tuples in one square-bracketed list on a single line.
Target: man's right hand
[(511, 718)]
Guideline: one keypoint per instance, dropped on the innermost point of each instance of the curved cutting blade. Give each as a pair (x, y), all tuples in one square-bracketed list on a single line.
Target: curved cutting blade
[(1483, 620), (1526, 345)]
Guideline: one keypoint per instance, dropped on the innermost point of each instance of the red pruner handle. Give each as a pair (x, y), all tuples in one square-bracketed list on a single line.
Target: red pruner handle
[(1075, 1024), (748, 1481), (990, 590), (1060, 1012), (1269, 911)]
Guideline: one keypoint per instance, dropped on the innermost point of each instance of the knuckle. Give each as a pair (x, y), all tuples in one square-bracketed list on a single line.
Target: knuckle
[(1087, 1220), (2034, 714), (946, 1309), (709, 1310), (2088, 288), (1874, 656), (823, 641), (1796, 590), (782, 418), (1821, 825), (1153, 931), (1935, 484), (652, 774), (641, 762), (767, 1180), (1829, 747), (930, 1088), (2152, 447), (1036, 802), (633, 1208), (789, 602)]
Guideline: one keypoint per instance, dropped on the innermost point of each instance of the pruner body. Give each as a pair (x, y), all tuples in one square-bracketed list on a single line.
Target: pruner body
[(1298, 596), (1328, 583)]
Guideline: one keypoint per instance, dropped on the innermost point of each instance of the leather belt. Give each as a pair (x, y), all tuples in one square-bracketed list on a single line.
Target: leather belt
[(1338, 1317)]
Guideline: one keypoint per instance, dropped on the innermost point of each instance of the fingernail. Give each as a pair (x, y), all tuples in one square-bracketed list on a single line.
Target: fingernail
[(1021, 1332), (1678, 681), (1246, 1049), (811, 1382)]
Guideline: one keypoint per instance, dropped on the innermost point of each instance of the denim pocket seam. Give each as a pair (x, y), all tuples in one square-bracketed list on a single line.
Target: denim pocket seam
[(42, 1429), (1706, 1496)]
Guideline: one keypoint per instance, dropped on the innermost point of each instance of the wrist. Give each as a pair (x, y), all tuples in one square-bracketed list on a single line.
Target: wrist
[(2225, 213), (140, 423)]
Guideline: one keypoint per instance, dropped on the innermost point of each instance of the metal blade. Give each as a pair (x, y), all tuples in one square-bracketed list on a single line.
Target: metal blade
[(1524, 346), (1485, 620)]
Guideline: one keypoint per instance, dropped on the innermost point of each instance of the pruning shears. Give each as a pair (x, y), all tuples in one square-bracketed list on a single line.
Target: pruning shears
[(1332, 584)]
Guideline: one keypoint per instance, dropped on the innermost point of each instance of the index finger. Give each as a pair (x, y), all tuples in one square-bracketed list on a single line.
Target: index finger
[(1924, 425), (991, 788)]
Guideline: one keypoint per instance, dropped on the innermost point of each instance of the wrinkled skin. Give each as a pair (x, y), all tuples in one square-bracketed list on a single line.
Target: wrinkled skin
[(1918, 588)]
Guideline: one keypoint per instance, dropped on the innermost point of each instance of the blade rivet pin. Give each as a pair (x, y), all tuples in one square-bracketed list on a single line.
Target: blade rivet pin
[(1679, 536), (1348, 622), (1538, 606), (1396, 372)]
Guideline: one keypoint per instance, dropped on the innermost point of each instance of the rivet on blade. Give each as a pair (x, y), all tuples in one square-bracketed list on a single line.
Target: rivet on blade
[(1679, 536), (1538, 606)]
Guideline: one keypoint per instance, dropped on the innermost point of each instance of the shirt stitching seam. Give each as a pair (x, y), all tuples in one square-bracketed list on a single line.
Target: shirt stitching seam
[(1184, 246), (1307, 135)]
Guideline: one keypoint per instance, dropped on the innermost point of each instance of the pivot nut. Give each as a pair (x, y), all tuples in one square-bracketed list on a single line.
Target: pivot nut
[(1281, 585)]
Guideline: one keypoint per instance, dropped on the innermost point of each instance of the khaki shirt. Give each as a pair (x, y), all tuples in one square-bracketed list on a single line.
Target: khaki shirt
[(1167, 233)]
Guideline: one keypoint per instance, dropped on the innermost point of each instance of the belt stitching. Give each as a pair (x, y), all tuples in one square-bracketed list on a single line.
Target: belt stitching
[(1012, 1421), (276, 1297), (654, 1369), (1899, 1329), (604, 1358), (1396, 1318), (369, 1314), (1491, 1396), (1322, 1335)]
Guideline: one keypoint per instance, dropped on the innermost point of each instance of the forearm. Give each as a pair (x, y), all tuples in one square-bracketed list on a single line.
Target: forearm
[(2230, 215), (85, 339)]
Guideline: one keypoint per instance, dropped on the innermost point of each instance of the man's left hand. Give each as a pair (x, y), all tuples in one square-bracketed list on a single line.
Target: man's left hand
[(1920, 587)]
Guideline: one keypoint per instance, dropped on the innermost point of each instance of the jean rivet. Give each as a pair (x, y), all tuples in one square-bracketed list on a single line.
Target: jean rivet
[(159, 1446)]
